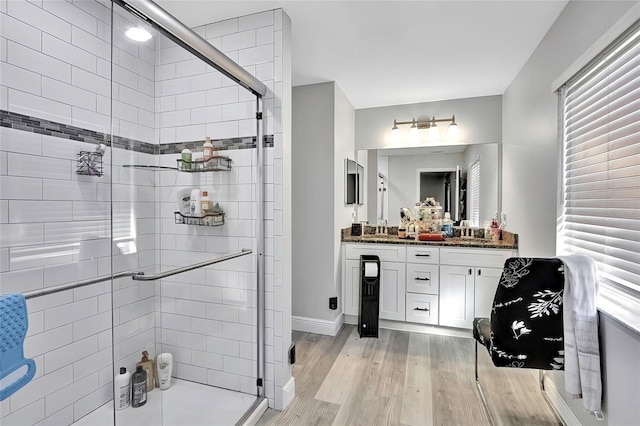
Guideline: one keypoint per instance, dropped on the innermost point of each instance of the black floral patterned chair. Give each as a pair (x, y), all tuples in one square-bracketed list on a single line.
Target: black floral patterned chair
[(526, 325)]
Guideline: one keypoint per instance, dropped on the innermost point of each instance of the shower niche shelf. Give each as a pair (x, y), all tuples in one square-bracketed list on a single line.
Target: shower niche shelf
[(216, 163), (214, 219)]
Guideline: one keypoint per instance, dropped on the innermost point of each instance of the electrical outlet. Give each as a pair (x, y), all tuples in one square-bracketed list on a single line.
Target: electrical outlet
[(292, 354), (333, 303)]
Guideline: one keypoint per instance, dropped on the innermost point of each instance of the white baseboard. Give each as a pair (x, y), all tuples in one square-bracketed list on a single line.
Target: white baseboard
[(288, 392), (558, 403), (416, 328), (317, 326)]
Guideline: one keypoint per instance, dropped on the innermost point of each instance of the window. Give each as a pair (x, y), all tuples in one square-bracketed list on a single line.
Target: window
[(600, 177), (474, 193)]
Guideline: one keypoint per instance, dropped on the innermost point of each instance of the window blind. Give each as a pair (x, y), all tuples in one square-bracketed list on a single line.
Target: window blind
[(600, 214), (474, 198)]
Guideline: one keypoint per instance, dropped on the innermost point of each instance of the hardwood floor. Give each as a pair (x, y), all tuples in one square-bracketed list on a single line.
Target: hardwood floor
[(403, 378)]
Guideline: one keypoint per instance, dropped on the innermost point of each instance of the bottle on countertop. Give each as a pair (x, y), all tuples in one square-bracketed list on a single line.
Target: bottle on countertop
[(207, 149), (495, 228), (122, 389), (139, 387), (147, 365), (447, 225)]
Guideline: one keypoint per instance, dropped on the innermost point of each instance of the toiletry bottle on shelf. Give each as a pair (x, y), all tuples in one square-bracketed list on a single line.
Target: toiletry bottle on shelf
[(122, 389), (206, 205), (195, 203), (207, 149), (147, 365), (139, 387), (185, 156), (184, 201), (164, 367)]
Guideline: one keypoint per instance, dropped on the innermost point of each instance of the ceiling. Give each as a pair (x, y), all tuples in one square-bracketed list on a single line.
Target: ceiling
[(399, 52)]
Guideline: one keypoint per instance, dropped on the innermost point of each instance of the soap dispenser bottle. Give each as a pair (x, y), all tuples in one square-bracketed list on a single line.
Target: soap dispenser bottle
[(147, 366), (207, 149)]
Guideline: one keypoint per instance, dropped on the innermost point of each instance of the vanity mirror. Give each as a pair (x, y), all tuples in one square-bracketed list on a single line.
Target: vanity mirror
[(353, 182), (464, 179)]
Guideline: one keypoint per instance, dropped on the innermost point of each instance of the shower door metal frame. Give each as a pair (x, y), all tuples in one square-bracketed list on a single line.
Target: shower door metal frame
[(182, 35)]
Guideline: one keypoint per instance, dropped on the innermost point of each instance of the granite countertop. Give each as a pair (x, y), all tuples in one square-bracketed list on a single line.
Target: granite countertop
[(509, 240)]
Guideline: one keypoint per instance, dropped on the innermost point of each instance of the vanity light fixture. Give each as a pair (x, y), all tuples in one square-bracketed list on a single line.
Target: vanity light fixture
[(434, 131), (138, 34)]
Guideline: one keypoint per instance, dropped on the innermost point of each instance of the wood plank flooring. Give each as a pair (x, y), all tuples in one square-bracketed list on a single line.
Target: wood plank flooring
[(404, 379)]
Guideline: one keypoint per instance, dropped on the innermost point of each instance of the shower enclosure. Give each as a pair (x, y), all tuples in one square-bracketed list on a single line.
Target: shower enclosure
[(94, 125)]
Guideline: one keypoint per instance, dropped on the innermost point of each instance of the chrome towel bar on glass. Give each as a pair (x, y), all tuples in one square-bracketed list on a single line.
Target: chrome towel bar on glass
[(135, 275)]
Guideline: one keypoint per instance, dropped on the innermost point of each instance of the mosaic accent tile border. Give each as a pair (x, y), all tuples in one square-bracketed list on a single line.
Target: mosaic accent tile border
[(41, 126)]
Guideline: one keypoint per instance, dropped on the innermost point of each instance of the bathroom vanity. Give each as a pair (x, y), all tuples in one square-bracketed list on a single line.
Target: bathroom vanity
[(445, 283)]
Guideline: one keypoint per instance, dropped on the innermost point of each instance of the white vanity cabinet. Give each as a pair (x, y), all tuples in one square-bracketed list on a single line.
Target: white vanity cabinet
[(425, 284), (468, 281), (392, 278)]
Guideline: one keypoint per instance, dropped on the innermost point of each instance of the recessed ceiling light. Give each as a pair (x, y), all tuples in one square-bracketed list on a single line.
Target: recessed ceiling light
[(138, 34)]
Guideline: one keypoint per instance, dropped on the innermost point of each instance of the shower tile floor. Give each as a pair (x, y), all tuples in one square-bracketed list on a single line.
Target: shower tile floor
[(184, 403)]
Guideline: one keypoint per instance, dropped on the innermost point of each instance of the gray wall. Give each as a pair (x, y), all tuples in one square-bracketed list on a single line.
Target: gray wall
[(323, 134), (529, 182)]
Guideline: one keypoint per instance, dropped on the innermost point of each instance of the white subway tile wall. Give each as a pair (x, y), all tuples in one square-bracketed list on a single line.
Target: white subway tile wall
[(55, 224)]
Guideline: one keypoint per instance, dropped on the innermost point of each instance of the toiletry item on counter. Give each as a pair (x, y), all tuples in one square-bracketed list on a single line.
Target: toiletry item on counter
[(447, 225), (122, 389), (184, 201), (206, 205), (430, 237), (164, 367), (487, 230), (495, 228), (207, 149), (196, 197), (402, 232), (147, 365), (139, 387)]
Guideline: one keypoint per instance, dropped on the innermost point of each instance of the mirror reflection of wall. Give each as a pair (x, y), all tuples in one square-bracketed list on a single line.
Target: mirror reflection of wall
[(353, 182), (401, 168)]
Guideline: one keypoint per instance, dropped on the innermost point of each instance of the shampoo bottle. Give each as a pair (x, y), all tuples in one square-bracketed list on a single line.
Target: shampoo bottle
[(164, 367), (147, 365), (184, 201), (122, 385), (139, 394), (207, 149)]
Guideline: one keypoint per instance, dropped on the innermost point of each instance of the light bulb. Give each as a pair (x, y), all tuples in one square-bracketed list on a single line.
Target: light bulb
[(434, 133), (453, 133), (414, 133), (138, 34)]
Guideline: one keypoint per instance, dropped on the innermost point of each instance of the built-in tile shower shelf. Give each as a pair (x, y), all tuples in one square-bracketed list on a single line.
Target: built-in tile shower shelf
[(217, 163), (213, 219)]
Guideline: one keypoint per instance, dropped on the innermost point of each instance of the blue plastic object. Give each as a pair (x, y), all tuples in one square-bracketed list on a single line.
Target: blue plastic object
[(14, 323)]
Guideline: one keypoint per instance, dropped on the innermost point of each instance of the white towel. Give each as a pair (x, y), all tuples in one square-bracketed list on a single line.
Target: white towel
[(581, 345)]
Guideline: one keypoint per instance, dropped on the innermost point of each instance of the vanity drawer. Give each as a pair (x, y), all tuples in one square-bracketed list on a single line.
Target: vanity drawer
[(429, 255), (475, 257), (386, 252), (422, 308), (422, 278)]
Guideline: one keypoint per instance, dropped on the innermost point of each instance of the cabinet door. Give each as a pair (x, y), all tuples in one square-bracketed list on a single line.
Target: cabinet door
[(486, 283), (392, 290), (352, 287), (456, 296)]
